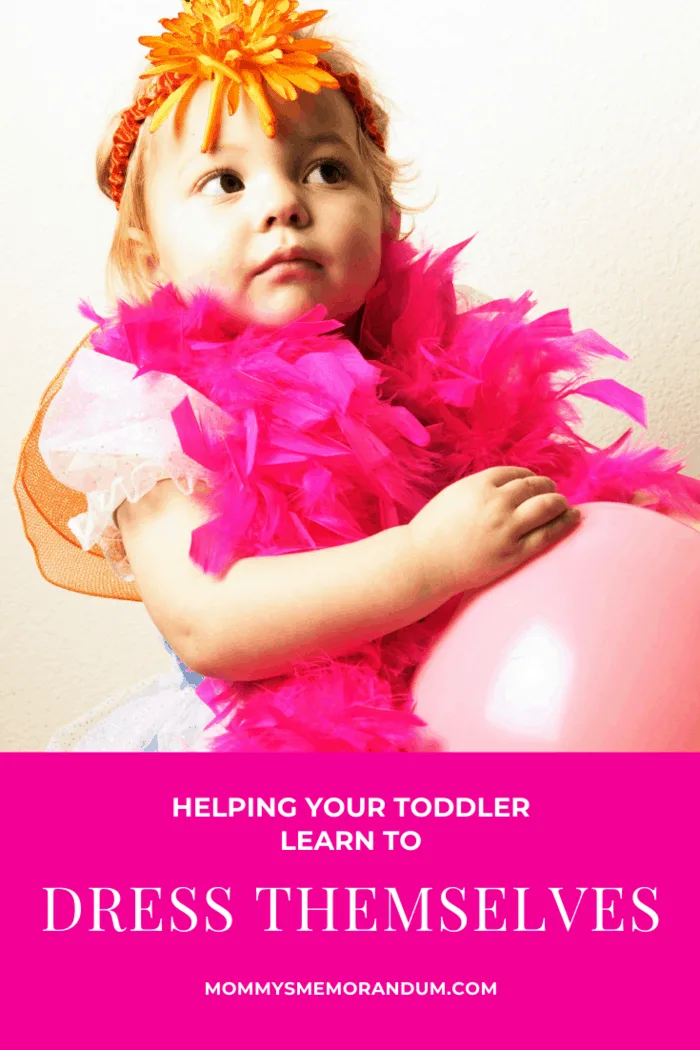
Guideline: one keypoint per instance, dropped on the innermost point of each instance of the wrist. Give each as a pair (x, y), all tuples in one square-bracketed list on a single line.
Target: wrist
[(435, 586)]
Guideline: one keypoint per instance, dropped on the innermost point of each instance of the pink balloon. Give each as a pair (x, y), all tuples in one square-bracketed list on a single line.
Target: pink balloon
[(593, 646)]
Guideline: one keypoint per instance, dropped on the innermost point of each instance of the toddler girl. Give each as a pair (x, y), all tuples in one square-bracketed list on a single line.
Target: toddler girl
[(298, 450)]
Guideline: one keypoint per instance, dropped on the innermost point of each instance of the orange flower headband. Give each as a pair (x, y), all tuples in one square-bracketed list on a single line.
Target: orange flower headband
[(240, 45)]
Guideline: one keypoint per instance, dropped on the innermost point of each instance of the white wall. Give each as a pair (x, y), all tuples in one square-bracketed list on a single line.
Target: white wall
[(567, 135)]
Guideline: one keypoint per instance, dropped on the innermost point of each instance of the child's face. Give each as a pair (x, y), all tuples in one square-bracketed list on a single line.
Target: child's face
[(217, 218)]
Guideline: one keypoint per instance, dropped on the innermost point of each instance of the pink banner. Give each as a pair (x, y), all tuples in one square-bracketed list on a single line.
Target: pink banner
[(473, 900)]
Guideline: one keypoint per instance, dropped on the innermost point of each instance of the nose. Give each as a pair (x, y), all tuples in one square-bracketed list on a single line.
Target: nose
[(284, 206)]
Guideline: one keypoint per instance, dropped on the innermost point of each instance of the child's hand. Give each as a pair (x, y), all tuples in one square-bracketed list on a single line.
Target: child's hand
[(483, 526)]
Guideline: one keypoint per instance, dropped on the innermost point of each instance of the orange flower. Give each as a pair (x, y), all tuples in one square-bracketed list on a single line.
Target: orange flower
[(238, 45)]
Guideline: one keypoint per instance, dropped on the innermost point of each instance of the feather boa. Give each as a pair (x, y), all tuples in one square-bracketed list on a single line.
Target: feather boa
[(327, 443)]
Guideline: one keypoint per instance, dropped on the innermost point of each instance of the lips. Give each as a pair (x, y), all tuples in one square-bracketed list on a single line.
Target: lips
[(289, 255)]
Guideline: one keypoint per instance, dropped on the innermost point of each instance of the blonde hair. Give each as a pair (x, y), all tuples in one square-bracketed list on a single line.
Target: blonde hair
[(128, 269)]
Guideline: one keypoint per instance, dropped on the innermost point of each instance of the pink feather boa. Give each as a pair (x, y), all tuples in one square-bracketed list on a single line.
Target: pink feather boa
[(325, 446)]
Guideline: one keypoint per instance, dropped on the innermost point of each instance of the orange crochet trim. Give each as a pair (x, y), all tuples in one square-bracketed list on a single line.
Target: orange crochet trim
[(130, 125), (350, 86)]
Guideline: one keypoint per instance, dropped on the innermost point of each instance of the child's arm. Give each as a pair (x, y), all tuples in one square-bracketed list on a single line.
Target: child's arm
[(267, 612)]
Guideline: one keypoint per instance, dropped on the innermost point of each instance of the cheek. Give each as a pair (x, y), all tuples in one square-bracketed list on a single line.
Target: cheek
[(361, 246), (196, 254)]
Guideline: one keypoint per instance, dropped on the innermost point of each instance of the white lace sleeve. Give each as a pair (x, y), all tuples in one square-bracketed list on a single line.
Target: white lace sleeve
[(111, 436)]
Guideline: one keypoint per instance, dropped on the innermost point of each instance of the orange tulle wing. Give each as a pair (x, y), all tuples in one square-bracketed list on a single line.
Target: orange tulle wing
[(46, 507)]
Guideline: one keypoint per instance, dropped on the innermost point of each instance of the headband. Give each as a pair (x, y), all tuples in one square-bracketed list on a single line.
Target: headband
[(239, 45)]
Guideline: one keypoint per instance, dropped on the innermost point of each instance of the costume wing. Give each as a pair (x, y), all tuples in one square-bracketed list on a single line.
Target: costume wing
[(109, 434)]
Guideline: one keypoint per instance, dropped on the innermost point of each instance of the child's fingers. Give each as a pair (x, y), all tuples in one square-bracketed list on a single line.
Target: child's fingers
[(502, 475), (519, 490), (538, 511), (539, 539)]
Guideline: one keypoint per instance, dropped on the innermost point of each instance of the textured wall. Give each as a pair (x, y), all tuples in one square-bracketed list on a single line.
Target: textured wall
[(567, 136)]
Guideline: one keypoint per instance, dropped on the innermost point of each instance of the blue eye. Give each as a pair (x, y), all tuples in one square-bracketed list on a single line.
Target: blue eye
[(229, 181), (331, 172)]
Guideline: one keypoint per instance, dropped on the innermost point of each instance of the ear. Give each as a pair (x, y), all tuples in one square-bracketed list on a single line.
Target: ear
[(140, 237), (145, 248)]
